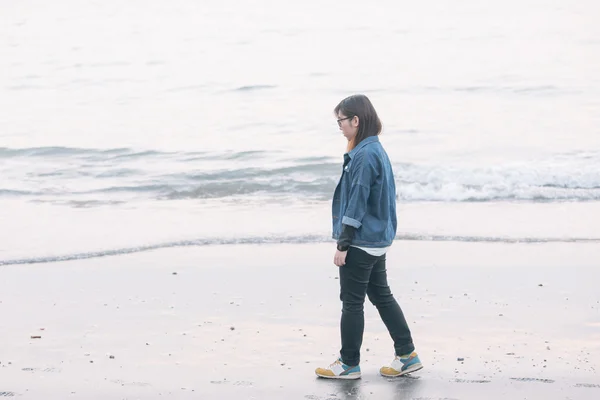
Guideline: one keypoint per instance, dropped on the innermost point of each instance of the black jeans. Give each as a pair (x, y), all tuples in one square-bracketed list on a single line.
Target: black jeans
[(362, 275)]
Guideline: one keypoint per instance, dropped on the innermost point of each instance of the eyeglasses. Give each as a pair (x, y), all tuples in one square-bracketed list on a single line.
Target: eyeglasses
[(339, 121)]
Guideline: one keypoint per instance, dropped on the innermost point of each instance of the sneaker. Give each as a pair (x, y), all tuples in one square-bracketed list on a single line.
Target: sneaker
[(402, 366), (339, 370)]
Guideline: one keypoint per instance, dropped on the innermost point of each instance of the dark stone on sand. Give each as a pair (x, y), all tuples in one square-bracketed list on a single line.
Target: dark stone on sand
[(588, 385), (174, 273), (540, 285), (112, 357), (533, 380), (460, 359), (232, 328)]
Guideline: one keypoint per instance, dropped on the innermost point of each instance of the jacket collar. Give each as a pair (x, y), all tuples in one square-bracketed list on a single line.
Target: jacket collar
[(370, 139)]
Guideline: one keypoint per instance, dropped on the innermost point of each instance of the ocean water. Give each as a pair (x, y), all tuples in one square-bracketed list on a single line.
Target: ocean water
[(129, 126)]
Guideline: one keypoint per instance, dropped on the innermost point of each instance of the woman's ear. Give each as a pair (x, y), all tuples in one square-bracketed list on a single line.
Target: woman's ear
[(355, 121)]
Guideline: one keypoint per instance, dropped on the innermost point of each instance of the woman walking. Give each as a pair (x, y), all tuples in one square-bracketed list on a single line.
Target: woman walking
[(364, 225)]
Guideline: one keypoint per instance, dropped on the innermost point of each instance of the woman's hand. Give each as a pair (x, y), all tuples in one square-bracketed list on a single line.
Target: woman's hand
[(340, 258)]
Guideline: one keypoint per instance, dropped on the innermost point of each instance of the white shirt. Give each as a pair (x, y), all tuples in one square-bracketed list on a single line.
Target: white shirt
[(374, 251)]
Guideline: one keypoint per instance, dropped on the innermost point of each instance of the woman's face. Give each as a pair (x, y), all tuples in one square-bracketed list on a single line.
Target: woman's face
[(348, 125)]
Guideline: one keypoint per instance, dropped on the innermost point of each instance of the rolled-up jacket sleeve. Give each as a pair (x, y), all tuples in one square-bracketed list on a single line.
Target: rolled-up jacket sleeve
[(362, 174)]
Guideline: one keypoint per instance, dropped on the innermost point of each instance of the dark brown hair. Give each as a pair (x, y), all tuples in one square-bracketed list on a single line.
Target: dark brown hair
[(360, 106)]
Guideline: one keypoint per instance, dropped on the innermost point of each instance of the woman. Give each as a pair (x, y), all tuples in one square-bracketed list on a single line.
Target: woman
[(364, 225)]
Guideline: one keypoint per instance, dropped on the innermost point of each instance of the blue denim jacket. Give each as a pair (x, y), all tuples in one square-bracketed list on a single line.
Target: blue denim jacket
[(365, 196)]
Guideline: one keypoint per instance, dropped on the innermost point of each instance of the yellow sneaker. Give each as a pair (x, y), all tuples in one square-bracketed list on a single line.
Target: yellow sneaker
[(402, 366), (339, 370)]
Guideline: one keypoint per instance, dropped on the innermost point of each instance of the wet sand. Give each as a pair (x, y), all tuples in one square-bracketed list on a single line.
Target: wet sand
[(253, 322)]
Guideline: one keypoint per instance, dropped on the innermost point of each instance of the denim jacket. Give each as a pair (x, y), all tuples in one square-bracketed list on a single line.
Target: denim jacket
[(365, 196)]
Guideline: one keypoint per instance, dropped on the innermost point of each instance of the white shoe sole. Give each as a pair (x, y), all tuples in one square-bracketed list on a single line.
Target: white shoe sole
[(412, 368), (349, 376)]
